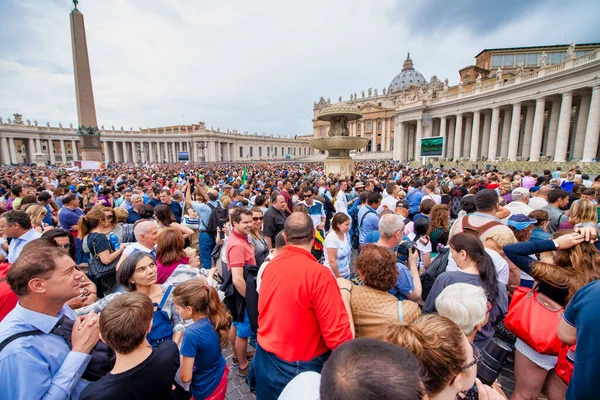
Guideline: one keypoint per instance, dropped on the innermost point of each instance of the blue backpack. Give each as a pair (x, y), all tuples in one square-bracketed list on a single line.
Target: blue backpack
[(162, 329)]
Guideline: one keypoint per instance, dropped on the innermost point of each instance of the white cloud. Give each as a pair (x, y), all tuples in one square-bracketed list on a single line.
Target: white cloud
[(255, 66)]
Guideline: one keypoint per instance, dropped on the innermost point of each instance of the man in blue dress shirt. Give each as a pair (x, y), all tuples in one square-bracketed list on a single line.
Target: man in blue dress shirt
[(43, 366)]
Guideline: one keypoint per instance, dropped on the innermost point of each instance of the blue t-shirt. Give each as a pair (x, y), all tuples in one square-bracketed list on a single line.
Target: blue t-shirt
[(405, 284), (583, 313), (369, 223), (201, 341)]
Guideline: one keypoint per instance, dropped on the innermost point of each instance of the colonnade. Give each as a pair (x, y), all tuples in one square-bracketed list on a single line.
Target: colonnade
[(34, 145), (560, 127), (378, 130)]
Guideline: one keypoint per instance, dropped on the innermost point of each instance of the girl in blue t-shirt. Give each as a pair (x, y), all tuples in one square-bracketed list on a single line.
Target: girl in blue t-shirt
[(203, 364)]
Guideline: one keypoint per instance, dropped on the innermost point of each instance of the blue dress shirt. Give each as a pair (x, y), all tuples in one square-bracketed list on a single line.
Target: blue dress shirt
[(41, 366), (16, 245)]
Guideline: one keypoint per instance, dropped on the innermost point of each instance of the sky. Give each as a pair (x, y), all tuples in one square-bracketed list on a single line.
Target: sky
[(255, 66)]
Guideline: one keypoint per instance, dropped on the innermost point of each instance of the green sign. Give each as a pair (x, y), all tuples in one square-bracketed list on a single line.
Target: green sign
[(432, 146)]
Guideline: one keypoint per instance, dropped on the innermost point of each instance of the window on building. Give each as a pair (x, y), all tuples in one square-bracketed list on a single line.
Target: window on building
[(555, 58), (44, 147), (275, 151), (520, 58), (294, 151), (241, 152), (251, 151), (369, 126), (508, 60), (260, 151), (358, 127), (289, 150), (532, 59), (580, 53), (497, 61), (379, 126), (282, 152), (268, 152)]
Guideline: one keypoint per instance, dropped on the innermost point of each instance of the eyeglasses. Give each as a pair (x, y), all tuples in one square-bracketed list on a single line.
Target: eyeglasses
[(308, 195), (257, 218), (476, 356)]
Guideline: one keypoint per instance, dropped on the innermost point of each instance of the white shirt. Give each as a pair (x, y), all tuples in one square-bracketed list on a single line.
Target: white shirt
[(16, 245), (435, 197), (537, 203), (341, 204), (136, 246), (517, 207), (389, 202), (500, 265), (305, 386)]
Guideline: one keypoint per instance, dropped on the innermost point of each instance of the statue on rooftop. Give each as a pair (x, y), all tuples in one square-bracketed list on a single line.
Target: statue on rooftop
[(340, 99), (542, 61), (445, 89), (71, 125), (375, 92), (28, 122), (499, 74), (384, 91), (60, 125), (328, 100), (18, 119), (571, 51), (478, 79), (370, 92), (48, 124), (520, 67), (35, 123), (363, 94), (351, 98), (355, 96), (460, 86)]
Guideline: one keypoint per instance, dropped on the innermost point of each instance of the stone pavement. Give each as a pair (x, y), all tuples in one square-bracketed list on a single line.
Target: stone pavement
[(237, 388)]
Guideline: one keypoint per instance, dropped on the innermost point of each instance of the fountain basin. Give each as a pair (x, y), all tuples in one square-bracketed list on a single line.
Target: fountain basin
[(339, 143)]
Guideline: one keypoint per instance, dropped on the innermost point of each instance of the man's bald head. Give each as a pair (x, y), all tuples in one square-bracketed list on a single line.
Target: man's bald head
[(543, 192), (299, 229), (213, 195)]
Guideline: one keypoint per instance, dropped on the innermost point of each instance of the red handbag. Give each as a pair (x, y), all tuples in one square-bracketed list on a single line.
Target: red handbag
[(566, 363), (533, 317)]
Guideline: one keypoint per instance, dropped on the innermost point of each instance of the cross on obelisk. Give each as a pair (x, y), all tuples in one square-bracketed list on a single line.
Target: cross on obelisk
[(89, 135)]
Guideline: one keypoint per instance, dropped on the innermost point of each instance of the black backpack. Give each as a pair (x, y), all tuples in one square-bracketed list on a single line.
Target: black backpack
[(455, 206), (217, 219), (435, 269), (250, 276)]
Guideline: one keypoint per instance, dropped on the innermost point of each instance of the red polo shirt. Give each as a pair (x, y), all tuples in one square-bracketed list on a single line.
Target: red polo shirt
[(8, 298), (301, 312), (238, 251)]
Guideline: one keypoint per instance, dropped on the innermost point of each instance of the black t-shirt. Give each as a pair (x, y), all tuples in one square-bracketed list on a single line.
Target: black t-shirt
[(97, 243), (273, 223), (152, 379)]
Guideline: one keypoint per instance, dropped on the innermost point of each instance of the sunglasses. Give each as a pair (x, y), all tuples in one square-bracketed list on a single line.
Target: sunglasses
[(257, 218), (308, 195)]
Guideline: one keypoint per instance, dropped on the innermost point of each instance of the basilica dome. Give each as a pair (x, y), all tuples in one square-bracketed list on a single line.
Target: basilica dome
[(407, 77)]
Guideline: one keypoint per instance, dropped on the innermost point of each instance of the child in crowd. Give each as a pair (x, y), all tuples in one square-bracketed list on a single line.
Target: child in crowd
[(202, 363), (140, 371)]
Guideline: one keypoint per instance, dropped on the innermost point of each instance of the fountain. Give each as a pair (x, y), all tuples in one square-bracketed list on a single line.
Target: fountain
[(339, 143)]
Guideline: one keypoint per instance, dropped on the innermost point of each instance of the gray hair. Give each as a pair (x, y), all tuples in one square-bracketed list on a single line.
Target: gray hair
[(143, 228), (178, 195), (136, 197), (390, 224), (464, 304)]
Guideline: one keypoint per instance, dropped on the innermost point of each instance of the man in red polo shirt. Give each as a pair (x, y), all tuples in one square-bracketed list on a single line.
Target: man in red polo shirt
[(301, 313), (239, 253)]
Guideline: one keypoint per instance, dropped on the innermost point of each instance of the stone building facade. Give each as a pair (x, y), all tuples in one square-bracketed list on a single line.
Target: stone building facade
[(549, 111), (27, 142)]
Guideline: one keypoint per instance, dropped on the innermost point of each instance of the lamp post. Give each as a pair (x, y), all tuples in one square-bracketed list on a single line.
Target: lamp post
[(138, 151), (203, 147)]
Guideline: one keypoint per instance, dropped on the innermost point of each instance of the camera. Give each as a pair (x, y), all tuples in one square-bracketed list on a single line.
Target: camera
[(403, 249), (493, 358)]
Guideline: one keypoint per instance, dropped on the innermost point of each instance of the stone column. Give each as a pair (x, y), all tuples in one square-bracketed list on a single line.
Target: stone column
[(144, 151), (399, 146), (418, 136), (174, 151), (126, 153), (118, 156), (538, 130), (493, 141), (75, 152), (485, 140), (383, 133), (515, 127), (13, 151), (457, 137), (450, 139), (505, 134), (564, 127), (428, 129), (30, 150), (443, 124), (593, 127), (467, 136), (5, 151), (526, 147), (388, 144), (51, 152), (63, 151), (107, 154), (584, 110), (475, 135), (552, 128)]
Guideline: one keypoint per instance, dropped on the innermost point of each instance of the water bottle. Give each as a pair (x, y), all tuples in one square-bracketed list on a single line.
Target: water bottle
[(114, 240)]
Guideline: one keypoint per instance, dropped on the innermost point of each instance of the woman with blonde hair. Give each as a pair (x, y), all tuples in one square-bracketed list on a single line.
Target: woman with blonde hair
[(567, 263), (581, 211), (448, 358), (36, 215), (370, 307)]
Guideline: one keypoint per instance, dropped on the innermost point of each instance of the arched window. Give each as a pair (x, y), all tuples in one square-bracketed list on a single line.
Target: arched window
[(369, 126), (379, 126)]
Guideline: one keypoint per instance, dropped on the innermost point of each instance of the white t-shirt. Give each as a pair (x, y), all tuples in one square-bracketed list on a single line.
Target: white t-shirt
[(305, 386), (500, 265), (537, 203), (389, 202), (341, 204), (136, 246), (344, 250), (423, 248), (435, 197)]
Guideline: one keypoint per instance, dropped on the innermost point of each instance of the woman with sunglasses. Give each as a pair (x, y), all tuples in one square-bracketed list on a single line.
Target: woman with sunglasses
[(476, 268), (448, 358), (256, 238)]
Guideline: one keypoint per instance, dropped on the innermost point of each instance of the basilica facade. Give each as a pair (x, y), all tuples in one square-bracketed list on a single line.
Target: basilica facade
[(525, 103)]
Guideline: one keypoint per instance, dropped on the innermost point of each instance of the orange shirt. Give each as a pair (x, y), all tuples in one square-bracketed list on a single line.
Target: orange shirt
[(301, 312)]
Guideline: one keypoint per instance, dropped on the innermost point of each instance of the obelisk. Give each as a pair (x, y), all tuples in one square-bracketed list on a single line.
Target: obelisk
[(88, 132)]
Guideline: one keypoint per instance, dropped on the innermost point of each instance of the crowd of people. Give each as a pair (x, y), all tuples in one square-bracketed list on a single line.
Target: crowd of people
[(393, 282)]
